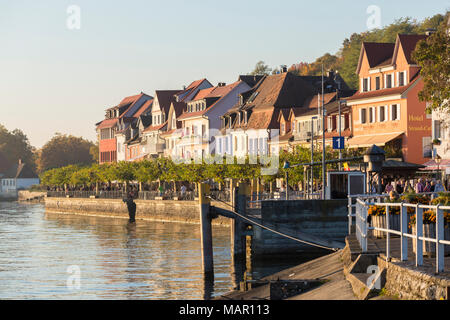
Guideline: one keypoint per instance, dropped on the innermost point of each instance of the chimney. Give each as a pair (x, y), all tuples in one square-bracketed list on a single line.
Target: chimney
[(222, 84)]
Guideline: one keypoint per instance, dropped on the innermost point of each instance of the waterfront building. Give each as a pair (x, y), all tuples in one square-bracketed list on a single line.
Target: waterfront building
[(260, 123), (386, 110), (201, 119), (106, 129), (19, 176)]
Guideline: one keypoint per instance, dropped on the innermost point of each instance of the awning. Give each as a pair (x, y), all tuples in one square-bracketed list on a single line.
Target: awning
[(432, 165), (374, 139)]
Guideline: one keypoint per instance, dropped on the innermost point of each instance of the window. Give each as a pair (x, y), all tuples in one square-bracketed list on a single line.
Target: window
[(389, 81), (105, 134), (395, 112), (426, 147), (377, 83), (436, 129), (282, 128), (366, 84), (382, 113), (363, 115), (401, 79), (372, 118)]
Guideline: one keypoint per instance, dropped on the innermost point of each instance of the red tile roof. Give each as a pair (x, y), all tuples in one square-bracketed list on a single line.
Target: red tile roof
[(409, 43), (108, 123), (155, 128), (214, 92)]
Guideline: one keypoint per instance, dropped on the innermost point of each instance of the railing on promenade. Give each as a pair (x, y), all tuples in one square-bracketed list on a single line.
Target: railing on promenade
[(362, 229), (254, 201), (141, 195), (372, 197)]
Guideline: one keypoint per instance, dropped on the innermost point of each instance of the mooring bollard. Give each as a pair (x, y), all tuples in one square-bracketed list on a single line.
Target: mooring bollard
[(206, 230)]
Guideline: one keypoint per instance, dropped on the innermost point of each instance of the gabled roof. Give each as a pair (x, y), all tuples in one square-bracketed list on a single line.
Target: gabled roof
[(408, 43), (377, 53), (251, 80), (216, 92), (165, 98), (108, 123), (156, 127), (385, 54)]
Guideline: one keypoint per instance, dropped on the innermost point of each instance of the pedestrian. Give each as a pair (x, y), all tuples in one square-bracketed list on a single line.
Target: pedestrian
[(439, 187), (131, 206), (427, 187), (389, 188), (400, 186), (419, 186)]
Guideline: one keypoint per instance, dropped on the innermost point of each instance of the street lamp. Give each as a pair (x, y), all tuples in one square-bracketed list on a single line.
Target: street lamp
[(437, 159)]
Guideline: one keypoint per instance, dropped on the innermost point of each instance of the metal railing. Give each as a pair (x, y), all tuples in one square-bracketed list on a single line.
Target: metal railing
[(254, 201), (141, 195), (363, 228), (374, 197)]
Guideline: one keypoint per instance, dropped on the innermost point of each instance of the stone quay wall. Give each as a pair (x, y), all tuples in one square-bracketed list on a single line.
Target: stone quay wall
[(325, 219), (153, 210), (407, 283)]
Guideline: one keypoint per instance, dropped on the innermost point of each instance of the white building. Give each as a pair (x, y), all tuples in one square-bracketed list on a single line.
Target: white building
[(18, 177)]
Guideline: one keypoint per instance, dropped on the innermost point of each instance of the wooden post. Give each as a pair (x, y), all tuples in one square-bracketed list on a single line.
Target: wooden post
[(237, 226), (206, 230)]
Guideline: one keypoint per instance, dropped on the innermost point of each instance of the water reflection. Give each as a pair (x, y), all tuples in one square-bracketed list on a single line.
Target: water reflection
[(118, 260)]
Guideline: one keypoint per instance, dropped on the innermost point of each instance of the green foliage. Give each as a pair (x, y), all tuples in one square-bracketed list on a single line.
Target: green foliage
[(433, 55), (63, 150), (346, 59), (14, 145), (261, 69)]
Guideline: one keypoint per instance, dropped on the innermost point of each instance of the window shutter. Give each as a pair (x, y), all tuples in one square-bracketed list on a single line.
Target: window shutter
[(386, 113), (368, 84), (398, 111), (405, 78), (397, 79), (362, 85), (360, 116)]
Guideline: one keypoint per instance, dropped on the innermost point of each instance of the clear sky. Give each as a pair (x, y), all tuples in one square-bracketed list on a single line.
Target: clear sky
[(56, 79)]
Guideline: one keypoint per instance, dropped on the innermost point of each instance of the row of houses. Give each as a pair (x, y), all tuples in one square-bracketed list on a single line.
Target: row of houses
[(264, 114)]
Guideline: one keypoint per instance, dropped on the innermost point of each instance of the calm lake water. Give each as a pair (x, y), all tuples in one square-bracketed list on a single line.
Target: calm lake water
[(42, 255)]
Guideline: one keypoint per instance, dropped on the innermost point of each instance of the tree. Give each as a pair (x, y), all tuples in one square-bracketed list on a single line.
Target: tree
[(433, 55), (63, 150), (261, 69), (15, 145)]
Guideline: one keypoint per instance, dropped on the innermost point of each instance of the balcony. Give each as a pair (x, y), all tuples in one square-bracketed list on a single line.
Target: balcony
[(155, 148)]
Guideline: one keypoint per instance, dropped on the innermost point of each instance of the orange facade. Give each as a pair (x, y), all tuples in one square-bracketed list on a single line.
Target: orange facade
[(387, 108)]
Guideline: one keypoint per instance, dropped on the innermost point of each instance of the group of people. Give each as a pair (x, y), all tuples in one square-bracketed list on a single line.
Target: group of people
[(420, 185)]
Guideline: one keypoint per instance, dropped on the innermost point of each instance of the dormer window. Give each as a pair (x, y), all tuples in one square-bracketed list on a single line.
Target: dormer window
[(401, 79), (389, 81)]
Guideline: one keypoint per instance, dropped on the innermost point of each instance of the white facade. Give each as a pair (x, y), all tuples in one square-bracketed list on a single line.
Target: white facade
[(201, 133), (441, 131)]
